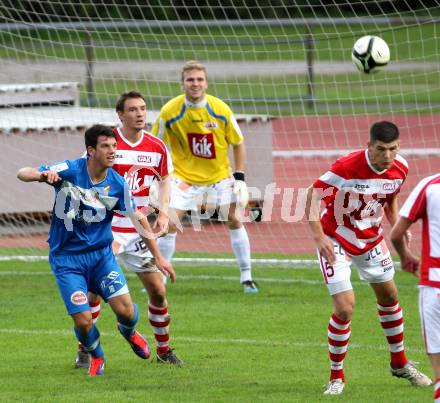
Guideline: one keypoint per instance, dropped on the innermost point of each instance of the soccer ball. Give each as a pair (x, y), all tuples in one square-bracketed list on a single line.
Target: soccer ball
[(370, 54)]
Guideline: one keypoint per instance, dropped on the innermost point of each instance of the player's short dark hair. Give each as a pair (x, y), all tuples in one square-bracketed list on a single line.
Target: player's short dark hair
[(384, 131), (120, 103), (91, 135)]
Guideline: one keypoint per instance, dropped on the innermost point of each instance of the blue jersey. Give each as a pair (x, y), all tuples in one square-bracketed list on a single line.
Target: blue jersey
[(83, 211)]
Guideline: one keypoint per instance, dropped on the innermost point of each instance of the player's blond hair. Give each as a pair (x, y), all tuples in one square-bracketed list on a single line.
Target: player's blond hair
[(193, 65)]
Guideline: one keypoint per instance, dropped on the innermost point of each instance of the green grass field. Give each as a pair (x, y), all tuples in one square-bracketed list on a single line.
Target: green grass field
[(269, 347)]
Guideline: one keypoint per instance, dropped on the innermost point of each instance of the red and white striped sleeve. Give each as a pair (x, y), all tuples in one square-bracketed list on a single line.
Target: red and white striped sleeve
[(166, 164), (333, 178), (415, 205)]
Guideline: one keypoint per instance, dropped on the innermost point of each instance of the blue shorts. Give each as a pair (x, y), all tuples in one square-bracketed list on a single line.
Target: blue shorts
[(96, 271)]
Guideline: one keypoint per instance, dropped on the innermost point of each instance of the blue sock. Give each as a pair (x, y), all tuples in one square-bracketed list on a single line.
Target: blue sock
[(90, 341), (126, 327)]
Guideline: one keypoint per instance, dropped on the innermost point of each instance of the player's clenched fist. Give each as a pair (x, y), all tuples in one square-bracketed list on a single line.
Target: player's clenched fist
[(49, 177)]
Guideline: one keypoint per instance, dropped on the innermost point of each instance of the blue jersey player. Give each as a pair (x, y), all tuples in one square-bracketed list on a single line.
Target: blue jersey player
[(87, 192)]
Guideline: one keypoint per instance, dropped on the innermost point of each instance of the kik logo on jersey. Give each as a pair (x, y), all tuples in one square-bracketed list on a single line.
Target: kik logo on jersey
[(202, 145), (133, 180), (137, 179)]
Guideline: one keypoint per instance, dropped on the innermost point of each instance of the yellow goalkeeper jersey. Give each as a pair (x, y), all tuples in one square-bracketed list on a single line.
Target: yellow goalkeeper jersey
[(198, 137)]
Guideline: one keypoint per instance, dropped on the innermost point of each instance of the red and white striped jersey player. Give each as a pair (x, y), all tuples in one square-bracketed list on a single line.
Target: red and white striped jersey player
[(141, 158), (424, 203), (140, 163), (357, 191)]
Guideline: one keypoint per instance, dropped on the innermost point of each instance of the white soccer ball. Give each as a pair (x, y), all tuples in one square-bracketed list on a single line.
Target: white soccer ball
[(370, 54)]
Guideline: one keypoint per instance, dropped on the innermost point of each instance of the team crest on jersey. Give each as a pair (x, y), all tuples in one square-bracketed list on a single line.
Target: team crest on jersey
[(211, 125), (78, 298), (389, 186), (202, 145)]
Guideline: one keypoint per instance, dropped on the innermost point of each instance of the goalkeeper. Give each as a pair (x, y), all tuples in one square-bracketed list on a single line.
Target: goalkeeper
[(198, 130)]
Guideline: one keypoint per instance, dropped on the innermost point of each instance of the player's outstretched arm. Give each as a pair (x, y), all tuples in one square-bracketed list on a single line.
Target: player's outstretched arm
[(144, 229), (410, 262), (323, 242), (29, 174)]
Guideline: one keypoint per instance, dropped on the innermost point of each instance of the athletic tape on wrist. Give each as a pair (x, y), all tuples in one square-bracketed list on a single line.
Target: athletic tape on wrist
[(238, 176)]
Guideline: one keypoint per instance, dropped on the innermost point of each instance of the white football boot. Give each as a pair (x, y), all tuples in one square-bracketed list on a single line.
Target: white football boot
[(334, 387), (410, 372)]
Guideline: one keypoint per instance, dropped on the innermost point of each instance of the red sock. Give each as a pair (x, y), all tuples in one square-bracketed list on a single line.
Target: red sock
[(338, 337), (95, 308), (391, 320), (437, 391), (160, 320)]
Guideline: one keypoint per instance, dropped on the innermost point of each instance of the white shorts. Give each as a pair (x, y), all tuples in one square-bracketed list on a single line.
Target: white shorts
[(133, 254), (189, 197), (374, 266), (429, 308)]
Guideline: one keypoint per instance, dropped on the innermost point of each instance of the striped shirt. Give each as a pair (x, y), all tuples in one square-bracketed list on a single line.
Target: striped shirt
[(424, 203), (139, 163), (355, 194)]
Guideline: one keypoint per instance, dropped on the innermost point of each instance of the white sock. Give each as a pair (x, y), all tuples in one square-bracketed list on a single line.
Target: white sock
[(167, 246), (242, 251)]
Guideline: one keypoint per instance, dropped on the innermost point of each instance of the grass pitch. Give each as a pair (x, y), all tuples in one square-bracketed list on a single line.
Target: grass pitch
[(269, 347)]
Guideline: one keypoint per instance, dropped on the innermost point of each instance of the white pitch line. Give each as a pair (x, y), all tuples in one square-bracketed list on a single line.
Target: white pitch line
[(182, 277), (186, 277), (198, 261), (287, 264), (274, 280), (202, 340)]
